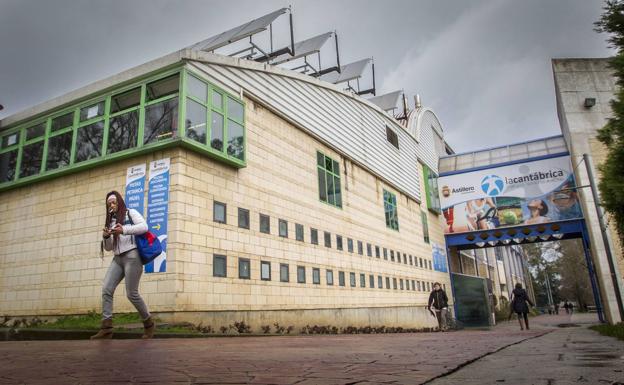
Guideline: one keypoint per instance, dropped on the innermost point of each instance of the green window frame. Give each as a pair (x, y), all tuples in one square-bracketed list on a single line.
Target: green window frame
[(431, 190), (144, 115), (425, 226), (390, 210), (328, 171)]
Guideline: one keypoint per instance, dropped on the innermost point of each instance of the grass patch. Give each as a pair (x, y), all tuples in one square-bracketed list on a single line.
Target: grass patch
[(616, 330), (90, 321)]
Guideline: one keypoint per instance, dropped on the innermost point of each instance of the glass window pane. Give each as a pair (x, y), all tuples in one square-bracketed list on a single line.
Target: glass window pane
[(316, 276), (62, 121), (301, 274), (244, 270), (265, 224), (284, 273), (337, 193), (219, 266), (161, 121), (328, 164), (123, 132), (219, 212), (8, 162), (197, 88), (283, 228), (314, 236), (126, 100), (265, 271), (320, 159), (35, 131), (330, 277), (352, 279), (322, 185), (236, 143), (10, 140), (163, 87), (196, 121), (235, 110), (92, 111), (243, 218), (59, 151), (32, 155), (299, 232), (336, 168), (341, 278), (216, 131), (217, 100), (330, 189), (89, 141)]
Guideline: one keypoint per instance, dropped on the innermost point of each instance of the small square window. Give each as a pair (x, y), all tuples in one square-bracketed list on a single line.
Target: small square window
[(265, 271), (371, 281), (299, 232), (341, 278), (360, 248), (392, 137), (314, 236), (329, 275), (377, 254), (411, 260), (350, 245), (338, 242), (369, 250), (244, 268), (362, 280), (392, 255), (316, 276), (219, 212), (394, 283), (385, 254), (379, 282), (401, 284), (265, 224), (284, 273), (387, 282), (283, 228), (219, 266), (243, 218), (327, 239), (301, 278), (352, 279)]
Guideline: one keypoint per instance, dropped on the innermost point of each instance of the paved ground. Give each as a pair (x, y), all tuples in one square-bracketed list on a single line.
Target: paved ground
[(350, 359)]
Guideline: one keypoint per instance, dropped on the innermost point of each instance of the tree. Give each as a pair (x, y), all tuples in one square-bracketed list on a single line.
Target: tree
[(572, 267), (611, 183), (542, 269)]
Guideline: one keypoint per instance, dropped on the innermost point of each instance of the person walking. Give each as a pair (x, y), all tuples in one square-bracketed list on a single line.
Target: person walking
[(571, 308), (439, 301), (566, 306), (118, 236), (519, 299)]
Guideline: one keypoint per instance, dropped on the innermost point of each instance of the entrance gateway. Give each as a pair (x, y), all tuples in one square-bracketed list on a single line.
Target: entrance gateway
[(505, 196)]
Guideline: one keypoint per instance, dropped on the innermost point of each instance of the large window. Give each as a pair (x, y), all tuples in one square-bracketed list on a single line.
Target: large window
[(390, 210), (123, 120), (431, 189), (328, 180), (425, 226)]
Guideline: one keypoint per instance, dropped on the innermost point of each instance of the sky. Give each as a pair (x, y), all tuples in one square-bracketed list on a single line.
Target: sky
[(483, 66)]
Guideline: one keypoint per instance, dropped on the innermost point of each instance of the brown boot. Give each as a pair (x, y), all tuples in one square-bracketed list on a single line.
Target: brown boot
[(106, 331), (148, 328)]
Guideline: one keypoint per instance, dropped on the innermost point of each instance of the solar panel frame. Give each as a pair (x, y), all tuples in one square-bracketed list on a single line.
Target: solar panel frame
[(387, 101), (348, 72), (304, 48)]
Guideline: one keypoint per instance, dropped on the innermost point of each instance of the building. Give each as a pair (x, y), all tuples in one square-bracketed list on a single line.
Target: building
[(584, 88), (289, 199)]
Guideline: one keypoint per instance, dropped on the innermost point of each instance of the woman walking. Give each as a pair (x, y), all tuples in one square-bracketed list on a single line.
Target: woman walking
[(118, 236), (519, 299)]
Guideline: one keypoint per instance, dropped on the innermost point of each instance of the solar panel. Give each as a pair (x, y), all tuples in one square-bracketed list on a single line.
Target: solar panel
[(347, 72), (304, 48), (238, 33), (387, 101)]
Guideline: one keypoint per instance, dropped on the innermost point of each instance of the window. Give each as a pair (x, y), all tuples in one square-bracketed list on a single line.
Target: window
[(328, 180), (425, 226), (421, 262), (59, 150), (301, 278), (398, 255), (392, 255), (369, 250), (394, 283), (377, 251), (392, 137), (413, 285), (316, 276), (32, 156), (387, 282), (401, 284), (219, 212), (352, 279), (243, 218), (360, 248), (385, 253), (379, 282), (338, 242), (62, 122), (431, 189), (411, 260), (371, 281), (161, 121), (428, 287), (350, 245), (341, 278), (284, 273), (219, 266), (314, 236), (327, 239), (390, 210), (265, 224), (430, 268), (329, 275), (123, 131), (283, 228), (362, 280), (244, 268), (299, 232), (265, 271), (418, 285), (89, 141), (404, 258)]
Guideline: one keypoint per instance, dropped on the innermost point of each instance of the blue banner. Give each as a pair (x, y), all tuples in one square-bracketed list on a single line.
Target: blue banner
[(135, 188), (158, 210), (439, 258)]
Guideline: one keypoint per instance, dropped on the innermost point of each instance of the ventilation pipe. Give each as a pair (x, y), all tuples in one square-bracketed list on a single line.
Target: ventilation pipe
[(417, 101)]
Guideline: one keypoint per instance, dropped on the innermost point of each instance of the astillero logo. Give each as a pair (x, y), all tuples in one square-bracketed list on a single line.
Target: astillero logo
[(492, 185)]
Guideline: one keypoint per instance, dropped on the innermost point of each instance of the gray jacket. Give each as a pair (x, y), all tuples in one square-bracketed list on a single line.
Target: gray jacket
[(126, 240)]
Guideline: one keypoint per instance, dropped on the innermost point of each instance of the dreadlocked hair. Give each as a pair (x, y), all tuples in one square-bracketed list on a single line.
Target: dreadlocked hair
[(120, 214)]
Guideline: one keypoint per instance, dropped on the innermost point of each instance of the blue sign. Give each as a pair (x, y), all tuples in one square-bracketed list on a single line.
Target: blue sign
[(439, 258), (158, 210), (135, 188)]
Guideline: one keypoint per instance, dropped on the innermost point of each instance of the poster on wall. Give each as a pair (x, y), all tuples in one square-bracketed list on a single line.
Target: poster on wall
[(527, 193), (439, 258), (135, 187), (158, 210)]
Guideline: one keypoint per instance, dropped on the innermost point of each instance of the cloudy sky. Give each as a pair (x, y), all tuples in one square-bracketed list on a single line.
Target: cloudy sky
[(483, 66)]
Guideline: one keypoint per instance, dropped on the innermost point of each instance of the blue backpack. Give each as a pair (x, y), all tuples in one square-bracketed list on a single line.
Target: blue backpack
[(148, 245)]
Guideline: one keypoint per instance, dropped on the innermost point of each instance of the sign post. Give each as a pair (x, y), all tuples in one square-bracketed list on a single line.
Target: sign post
[(158, 209)]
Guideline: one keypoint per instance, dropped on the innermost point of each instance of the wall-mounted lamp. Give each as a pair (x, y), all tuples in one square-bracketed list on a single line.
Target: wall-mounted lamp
[(589, 102)]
